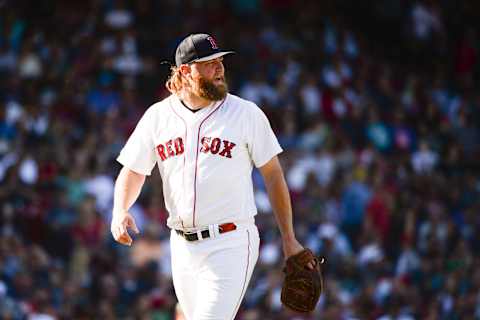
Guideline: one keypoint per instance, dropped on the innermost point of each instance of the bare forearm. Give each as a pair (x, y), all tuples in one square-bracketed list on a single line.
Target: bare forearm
[(282, 207), (127, 189), (280, 200)]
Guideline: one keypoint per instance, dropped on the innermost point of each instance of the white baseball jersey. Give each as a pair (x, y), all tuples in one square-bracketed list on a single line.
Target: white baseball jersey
[(205, 158)]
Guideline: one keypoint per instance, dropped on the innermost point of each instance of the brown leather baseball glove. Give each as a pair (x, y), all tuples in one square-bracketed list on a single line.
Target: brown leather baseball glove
[(302, 287)]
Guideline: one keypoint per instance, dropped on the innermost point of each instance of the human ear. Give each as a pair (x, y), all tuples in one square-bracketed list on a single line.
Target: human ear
[(185, 69)]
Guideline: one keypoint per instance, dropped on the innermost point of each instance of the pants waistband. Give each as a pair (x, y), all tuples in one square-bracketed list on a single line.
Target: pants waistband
[(238, 222), (213, 230), (207, 233)]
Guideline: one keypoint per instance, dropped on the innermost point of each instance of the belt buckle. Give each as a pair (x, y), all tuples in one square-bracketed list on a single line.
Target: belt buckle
[(198, 233), (184, 234)]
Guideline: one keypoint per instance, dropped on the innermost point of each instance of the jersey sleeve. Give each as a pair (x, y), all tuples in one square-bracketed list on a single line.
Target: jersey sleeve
[(262, 142), (138, 154)]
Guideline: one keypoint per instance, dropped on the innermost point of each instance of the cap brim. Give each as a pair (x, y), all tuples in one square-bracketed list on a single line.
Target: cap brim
[(213, 56)]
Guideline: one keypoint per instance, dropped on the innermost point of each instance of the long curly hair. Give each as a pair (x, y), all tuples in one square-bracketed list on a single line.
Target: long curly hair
[(176, 81)]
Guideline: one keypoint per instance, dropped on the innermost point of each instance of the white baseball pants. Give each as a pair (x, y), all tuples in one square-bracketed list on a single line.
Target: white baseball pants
[(211, 276)]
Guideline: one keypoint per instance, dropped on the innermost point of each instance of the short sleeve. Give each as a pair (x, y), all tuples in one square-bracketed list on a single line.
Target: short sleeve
[(138, 154), (262, 142)]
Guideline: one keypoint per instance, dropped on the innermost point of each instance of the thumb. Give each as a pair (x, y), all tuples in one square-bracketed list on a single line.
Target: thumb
[(134, 225)]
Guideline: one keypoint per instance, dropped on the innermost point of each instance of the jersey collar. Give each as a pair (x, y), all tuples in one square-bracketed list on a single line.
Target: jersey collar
[(187, 114)]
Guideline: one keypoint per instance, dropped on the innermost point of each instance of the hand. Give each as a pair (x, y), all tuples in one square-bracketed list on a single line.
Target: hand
[(121, 221), (292, 247)]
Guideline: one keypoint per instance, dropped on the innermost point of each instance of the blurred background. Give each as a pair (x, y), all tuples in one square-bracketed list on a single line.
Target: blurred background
[(376, 103)]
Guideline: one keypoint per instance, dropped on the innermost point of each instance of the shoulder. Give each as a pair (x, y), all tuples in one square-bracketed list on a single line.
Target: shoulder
[(156, 112), (158, 109), (160, 106), (243, 106), (236, 100)]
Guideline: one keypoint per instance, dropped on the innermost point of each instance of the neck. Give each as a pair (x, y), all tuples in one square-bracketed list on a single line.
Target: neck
[(193, 101)]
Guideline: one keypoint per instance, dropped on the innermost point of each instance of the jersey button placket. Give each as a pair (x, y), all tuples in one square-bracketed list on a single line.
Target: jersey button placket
[(189, 191)]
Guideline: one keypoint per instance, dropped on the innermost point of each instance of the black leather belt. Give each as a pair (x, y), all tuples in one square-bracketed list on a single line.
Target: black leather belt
[(193, 236)]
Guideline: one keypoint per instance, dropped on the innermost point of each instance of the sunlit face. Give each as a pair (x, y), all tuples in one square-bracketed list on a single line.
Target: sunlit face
[(208, 79)]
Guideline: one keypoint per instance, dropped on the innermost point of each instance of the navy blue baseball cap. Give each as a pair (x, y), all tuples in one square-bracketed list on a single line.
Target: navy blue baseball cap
[(197, 48)]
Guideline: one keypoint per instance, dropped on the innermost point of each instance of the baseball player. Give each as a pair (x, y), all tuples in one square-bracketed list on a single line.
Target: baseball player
[(205, 143)]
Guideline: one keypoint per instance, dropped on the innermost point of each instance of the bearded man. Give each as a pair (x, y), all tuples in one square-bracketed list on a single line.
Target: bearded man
[(205, 143)]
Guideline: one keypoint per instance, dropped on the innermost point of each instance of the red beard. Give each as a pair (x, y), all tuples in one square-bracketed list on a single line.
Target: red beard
[(210, 91)]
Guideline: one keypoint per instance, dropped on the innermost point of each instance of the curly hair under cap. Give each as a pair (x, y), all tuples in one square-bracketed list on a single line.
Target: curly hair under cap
[(175, 82)]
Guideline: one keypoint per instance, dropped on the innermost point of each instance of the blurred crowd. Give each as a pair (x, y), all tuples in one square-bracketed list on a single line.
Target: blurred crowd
[(377, 107)]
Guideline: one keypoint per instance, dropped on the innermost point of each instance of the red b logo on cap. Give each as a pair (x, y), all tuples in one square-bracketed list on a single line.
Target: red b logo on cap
[(212, 42)]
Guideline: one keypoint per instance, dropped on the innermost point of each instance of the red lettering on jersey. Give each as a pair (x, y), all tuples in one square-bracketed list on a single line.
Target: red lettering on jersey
[(171, 148), (179, 146), (161, 152), (215, 146), (227, 149), (205, 144), (170, 151)]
